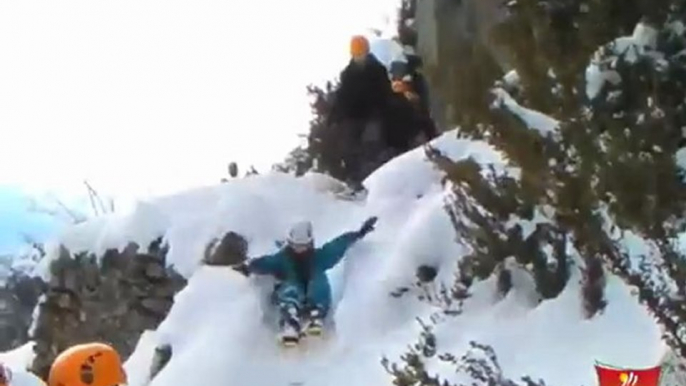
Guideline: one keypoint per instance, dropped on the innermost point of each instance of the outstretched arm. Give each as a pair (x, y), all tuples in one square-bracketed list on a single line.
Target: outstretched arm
[(332, 252), (265, 265)]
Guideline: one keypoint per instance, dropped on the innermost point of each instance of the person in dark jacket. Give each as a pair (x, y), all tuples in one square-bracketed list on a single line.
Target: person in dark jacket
[(418, 81), (402, 121), (410, 122), (409, 71), (359, 111), (364, 85)]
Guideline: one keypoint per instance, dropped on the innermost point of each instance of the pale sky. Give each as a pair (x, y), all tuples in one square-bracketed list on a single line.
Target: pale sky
[(146, 97)]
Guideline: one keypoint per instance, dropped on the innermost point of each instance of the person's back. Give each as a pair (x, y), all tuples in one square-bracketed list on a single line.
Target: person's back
[(364, 86), (403, 120), (410, 71), (358, 113), (420, 86), (420, 126)]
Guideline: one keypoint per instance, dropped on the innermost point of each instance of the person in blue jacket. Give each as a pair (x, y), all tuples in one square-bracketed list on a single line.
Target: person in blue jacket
[(301, 269)]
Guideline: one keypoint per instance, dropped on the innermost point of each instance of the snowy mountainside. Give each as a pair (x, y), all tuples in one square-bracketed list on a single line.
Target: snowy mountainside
[(215, 326)]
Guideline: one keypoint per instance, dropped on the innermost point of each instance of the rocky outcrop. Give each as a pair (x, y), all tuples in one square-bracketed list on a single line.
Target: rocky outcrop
[(426, 273), (18, 298), (448, 27), (13, 326), (231, 249), (450, 33), (162, 356), (111, 298)]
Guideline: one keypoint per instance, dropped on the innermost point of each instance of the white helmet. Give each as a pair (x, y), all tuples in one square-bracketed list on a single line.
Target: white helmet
[(301, 233)]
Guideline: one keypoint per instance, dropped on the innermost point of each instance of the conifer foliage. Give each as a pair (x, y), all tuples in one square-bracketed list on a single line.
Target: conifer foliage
[(596, 123)]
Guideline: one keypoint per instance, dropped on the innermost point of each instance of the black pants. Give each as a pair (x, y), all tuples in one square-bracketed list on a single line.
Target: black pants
[(360, 146)]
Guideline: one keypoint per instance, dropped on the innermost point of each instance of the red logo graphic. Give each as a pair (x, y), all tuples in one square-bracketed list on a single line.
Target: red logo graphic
[(616, 376)]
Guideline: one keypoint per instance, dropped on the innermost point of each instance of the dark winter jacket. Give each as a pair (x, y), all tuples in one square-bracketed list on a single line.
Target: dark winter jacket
[(363, 92), (411, 68), (421, 88), (406, 121), (402, 123)]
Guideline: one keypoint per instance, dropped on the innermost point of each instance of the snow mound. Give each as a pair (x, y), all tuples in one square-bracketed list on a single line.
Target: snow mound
[(216, 329)]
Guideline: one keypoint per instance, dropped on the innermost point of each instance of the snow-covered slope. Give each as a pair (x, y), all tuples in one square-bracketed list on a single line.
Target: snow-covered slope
[(216, 328), (16, 360)]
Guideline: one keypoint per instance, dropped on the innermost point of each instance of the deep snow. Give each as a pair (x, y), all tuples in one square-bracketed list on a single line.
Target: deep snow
[(215, 325)]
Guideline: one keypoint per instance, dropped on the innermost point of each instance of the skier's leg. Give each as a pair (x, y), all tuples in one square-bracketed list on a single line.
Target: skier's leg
[(289, 300), (351, 143), (319, 302), (372, 147)]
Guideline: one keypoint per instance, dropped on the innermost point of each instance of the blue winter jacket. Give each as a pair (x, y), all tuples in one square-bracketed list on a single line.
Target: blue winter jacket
[(325, 257)]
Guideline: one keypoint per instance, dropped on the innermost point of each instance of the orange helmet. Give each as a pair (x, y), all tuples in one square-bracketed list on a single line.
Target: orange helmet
[(89, 364), (359, 46)]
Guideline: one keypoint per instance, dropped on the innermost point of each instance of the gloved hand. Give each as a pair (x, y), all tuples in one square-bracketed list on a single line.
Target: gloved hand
[(368, 226), (411, 96), (241, 268)]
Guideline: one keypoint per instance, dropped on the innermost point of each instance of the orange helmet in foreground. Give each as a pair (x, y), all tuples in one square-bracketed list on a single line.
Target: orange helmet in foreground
[(89, 364), (359, 46)]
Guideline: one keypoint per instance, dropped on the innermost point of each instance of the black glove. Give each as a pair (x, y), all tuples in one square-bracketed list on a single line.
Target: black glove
[(368, 226), (242, 268)]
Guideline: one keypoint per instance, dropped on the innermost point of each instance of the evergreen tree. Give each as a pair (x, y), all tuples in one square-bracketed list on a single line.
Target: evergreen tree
[(611, 162), (610, 74)]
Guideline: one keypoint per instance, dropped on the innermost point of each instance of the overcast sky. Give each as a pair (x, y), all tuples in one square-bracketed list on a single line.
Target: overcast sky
[(18, 220), (147, 97), (144, 97)]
